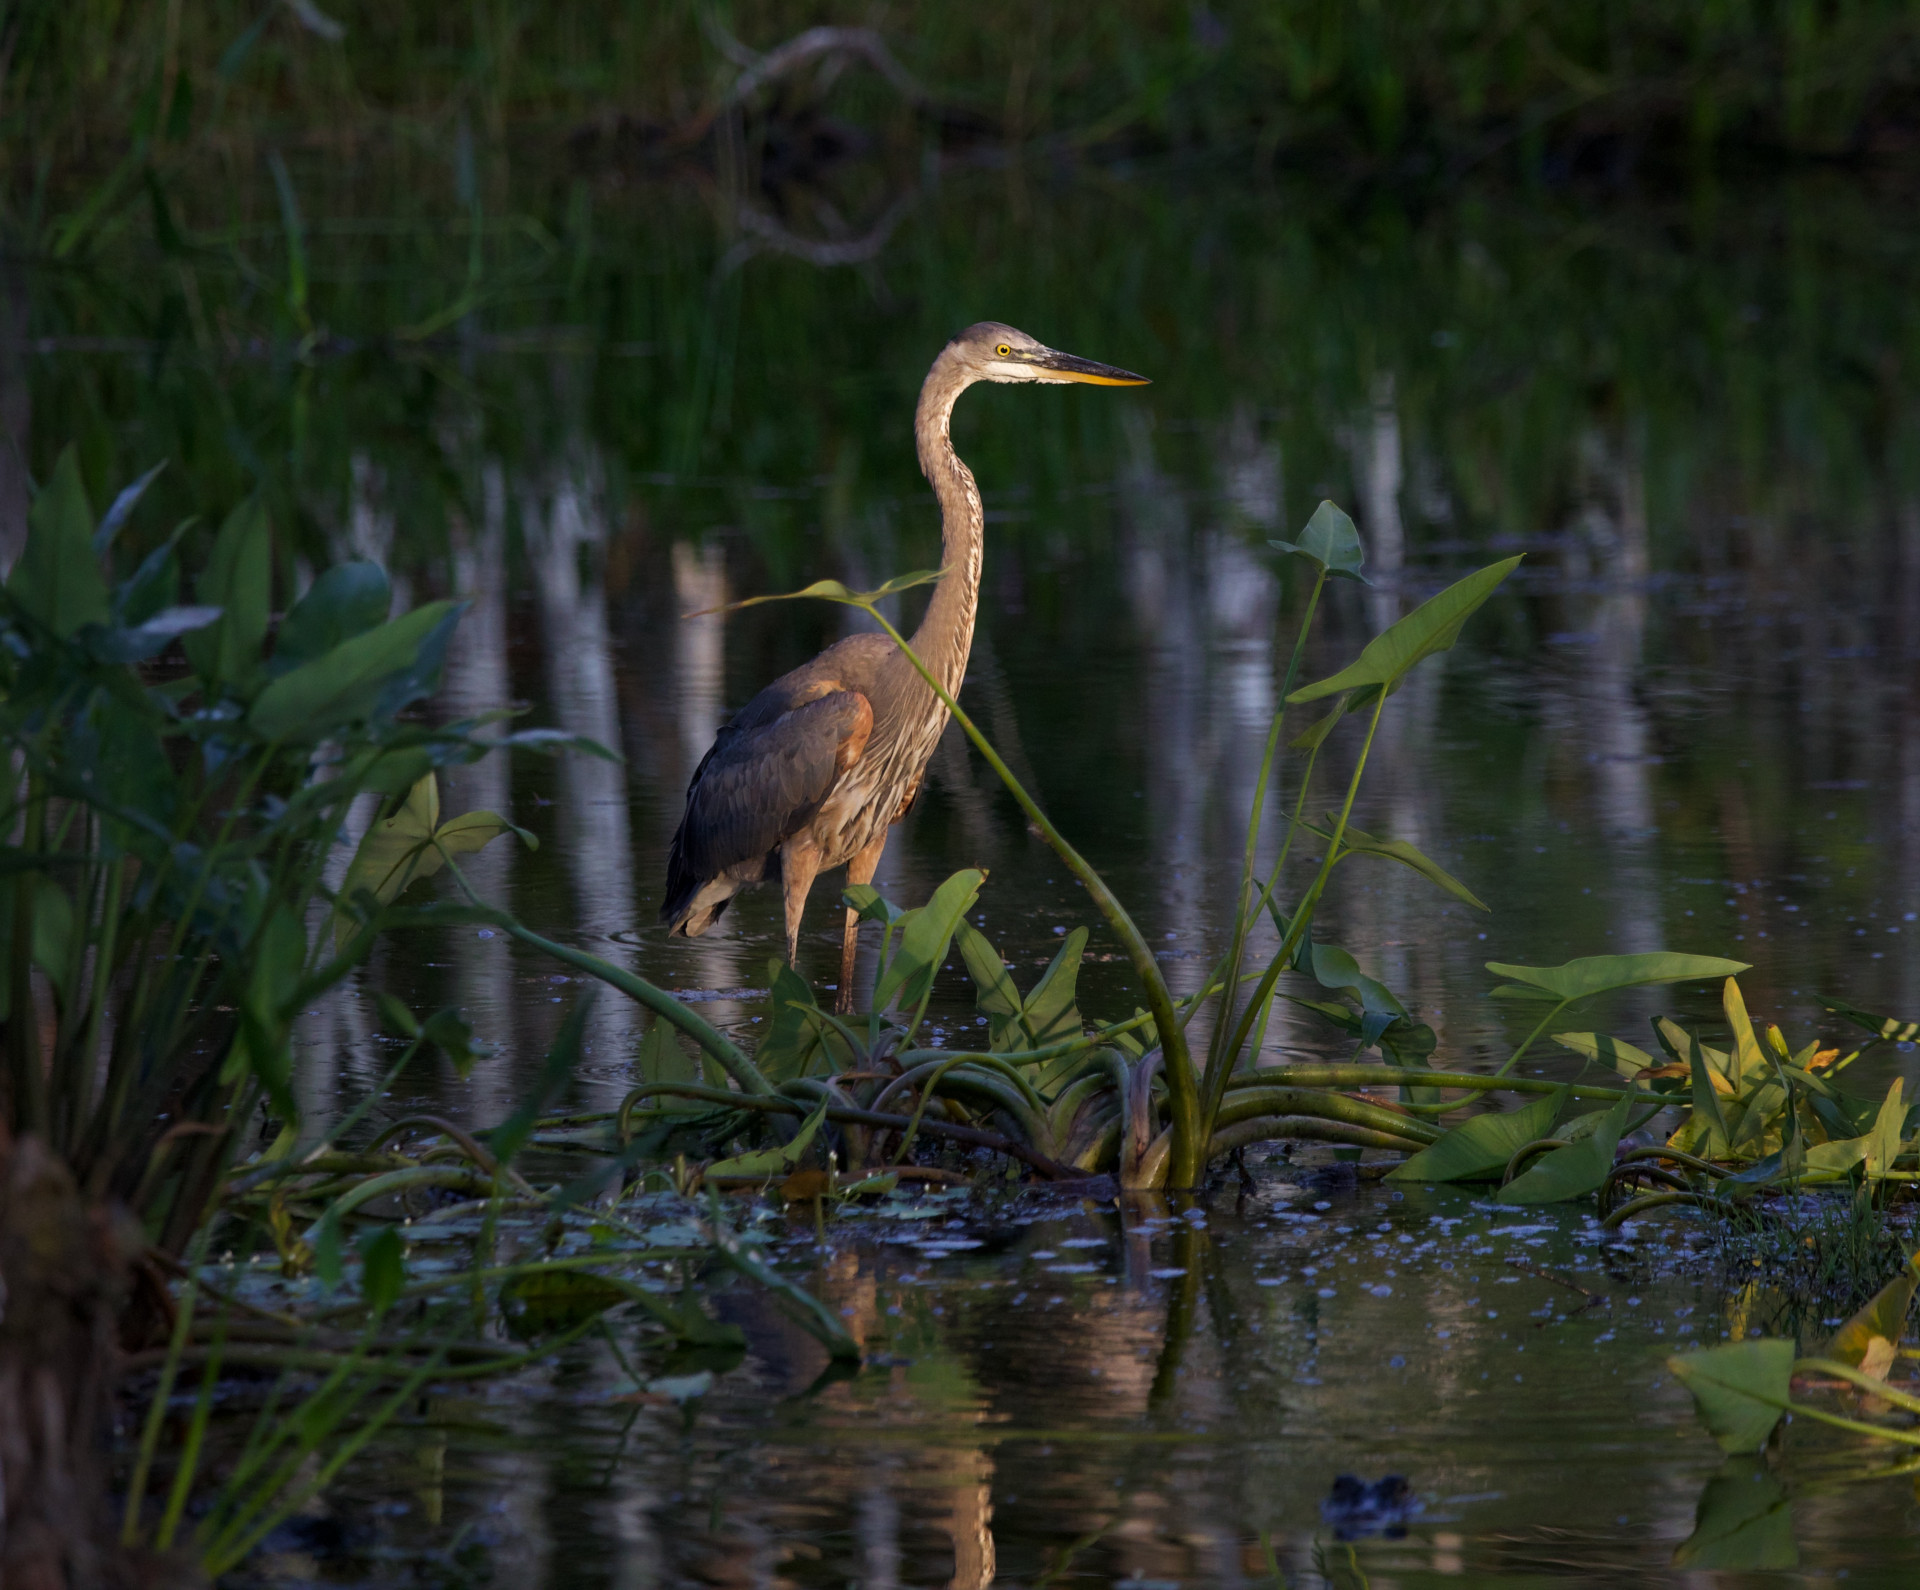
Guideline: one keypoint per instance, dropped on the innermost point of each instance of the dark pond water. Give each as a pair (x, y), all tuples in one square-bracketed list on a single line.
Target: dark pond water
[(1691, 723)]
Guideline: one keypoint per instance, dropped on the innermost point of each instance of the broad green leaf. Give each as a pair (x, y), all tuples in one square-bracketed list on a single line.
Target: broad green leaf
[(995, 995), (1379, 1007), (1331, 541), (347, 600), (1615, 1052), (1740, 1388), (1577, 1170), (383, 1268), (357, 679), (922, 941), (1431, 627), (1742, 1523), (238, 581), (770, 1162), (1601, 974), (1480, 1148), (1889, 1130), (53, 926), (57, 580), (1882, 1318), (1360, 843)]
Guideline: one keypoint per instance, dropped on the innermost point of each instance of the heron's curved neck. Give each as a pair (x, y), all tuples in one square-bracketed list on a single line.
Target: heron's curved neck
[(945, 635)]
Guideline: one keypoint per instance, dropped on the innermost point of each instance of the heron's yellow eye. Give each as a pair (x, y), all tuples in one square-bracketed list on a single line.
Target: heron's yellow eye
[(1003, 350)]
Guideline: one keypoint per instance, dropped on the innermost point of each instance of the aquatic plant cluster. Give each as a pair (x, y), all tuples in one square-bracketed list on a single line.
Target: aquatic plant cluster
[(184, 771)]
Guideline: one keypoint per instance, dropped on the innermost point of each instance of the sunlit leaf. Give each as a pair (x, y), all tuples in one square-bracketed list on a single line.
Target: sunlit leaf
[(1890, 1028), (1576, 1170), (1614, 1052), (412, 844), (1331, 541), (1882, 1318), (922, 940), (1601, 974), (1749, 1059), (1740, 1388), (870, 905), (1481, 1147), (1889, 1131), (1431, 627)]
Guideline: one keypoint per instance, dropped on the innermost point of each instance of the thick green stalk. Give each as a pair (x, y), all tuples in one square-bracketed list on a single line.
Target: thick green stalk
[(1215, 1083), (1527, 1043)]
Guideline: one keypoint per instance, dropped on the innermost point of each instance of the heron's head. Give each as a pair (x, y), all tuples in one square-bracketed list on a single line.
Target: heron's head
[(990, 351)]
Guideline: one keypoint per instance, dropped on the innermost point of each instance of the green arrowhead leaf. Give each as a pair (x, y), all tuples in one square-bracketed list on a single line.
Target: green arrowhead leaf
[(1739, 1388), (1331, 541), (1431, 627), (1576, 1170), (1601, 974), (1481, 1147)]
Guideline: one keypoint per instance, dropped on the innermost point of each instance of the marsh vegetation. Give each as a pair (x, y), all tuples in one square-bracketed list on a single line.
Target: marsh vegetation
[(1281, 966)]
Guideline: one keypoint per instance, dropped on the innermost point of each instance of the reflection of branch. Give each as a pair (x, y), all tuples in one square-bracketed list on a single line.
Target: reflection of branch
[(770, 231), (758, 70)]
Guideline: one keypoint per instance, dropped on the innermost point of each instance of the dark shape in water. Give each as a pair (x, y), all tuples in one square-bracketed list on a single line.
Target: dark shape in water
[(1356, 1509)]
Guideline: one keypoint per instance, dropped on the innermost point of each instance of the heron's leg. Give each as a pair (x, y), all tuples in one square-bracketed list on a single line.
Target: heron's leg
[(799, 862), (859, 870)]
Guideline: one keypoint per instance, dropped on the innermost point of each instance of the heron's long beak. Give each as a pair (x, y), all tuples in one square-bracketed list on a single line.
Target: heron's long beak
[(1070, 367)]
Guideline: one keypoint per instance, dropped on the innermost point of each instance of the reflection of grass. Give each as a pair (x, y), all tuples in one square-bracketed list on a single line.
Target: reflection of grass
[(1796, 1275)]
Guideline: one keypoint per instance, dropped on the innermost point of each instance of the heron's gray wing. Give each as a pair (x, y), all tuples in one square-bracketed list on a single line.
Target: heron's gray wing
[(763, 781)]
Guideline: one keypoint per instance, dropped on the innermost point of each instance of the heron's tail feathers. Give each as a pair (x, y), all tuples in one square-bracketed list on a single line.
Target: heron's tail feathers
[(691, 915)]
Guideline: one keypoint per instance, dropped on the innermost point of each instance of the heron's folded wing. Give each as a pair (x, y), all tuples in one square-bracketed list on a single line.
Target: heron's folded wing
[(758, 786)]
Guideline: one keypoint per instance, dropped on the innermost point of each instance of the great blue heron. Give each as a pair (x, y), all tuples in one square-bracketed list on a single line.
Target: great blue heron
[(812, 772)]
